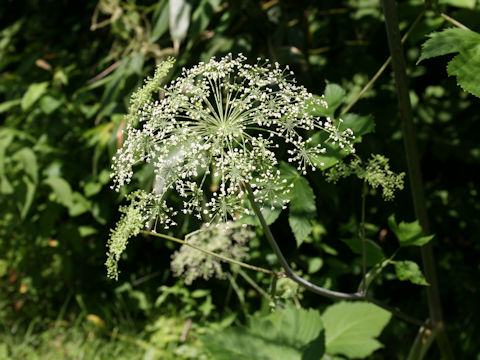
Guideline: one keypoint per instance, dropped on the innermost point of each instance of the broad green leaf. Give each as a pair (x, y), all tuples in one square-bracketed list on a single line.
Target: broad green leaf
[(334, 96), (373, 250), (466, 65), (61, 190), (289, 335), (33, 93), (409, 270), (351, 328), (408, 234)]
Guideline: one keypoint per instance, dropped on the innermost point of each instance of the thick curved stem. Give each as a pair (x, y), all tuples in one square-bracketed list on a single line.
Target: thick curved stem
[(288, 270)]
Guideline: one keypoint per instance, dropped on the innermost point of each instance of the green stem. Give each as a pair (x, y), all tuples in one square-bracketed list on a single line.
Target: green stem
[(383, 67), (362, 236), (221, 257), (422, 342), (288, 270), (413, 164), (253, 284), (452, 21)]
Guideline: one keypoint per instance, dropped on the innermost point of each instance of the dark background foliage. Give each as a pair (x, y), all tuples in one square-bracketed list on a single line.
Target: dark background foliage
[(67, 70)]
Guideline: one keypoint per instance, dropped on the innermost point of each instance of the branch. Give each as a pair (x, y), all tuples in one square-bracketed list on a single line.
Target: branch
[(221, 257)]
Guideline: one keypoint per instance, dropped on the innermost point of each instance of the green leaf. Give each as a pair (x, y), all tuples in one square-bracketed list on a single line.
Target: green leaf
[(49, 104), (466, 65), (302, 203), (360, 125), (179, 19), (289, 335), (351, 328), (33, 93), (28, 159), (449, 41), (7, 105), (160, 21), (408, 234), (334, 96), (373, 250), (25, 192), (409, 270), (61, 190)]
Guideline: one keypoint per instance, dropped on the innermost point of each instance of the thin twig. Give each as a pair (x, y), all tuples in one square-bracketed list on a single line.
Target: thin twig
[(105, 72), (383, 67), (253, 284), (221, 257), (452, 21)]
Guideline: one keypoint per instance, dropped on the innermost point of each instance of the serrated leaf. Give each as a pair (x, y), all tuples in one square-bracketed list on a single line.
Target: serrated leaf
[(61, 189), (351, 328), (33, 93), (409, 270), (448, 41), (466, 67), (408, 234), (289, 335)]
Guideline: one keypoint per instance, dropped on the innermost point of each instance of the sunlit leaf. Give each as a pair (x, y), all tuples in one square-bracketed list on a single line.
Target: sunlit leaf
[(351, 328)]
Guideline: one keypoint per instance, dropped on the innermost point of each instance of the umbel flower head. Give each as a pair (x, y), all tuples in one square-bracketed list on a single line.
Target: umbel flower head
[(216, 126)]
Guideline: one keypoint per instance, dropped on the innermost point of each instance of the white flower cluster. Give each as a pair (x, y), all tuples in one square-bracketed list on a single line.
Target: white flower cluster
[(218, 125), (228, 240)]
